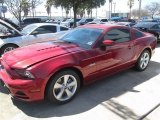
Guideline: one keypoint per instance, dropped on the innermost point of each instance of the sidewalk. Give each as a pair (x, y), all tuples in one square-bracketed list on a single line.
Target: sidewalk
[(155, 115)]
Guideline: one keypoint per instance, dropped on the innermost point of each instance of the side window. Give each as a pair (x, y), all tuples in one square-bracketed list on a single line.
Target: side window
[(89, 20), (63, 28), (46, 29), (156, 27), (138, 34), (104, 20), (118, 35)]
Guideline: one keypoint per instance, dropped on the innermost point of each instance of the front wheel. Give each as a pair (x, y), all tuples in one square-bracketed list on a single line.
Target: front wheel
[(143, 60), (63, 87), (7, 48)]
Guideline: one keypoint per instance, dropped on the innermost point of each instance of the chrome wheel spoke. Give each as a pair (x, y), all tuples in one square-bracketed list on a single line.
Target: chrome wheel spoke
[(144, 60), (142, 64), (60, 94), (65, 87), (58, 86), (145, 64), (68, 92), (66, 78), (72, 84)]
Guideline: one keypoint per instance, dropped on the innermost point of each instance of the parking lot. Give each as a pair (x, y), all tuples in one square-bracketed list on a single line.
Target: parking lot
[(128, 95)]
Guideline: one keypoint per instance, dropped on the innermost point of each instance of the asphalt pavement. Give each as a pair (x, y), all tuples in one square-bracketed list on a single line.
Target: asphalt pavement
[(128, 95)]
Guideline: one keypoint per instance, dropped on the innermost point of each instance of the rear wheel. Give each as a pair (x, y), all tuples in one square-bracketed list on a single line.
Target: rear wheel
[(63, 87), (143, 60), (157, 37)]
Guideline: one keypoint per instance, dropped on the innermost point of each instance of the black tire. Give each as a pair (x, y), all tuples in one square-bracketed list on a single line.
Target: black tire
[(51, 93), (139, 61), (4, 48), (157, 37)]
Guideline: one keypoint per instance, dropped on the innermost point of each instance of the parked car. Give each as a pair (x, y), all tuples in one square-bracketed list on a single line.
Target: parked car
[(50, 21), (28, 21), (57, 69), (69, 22), (150, 27), (98, 21), (129, 24), (11, 38), (84, 21), (11, 23), (150, 20)]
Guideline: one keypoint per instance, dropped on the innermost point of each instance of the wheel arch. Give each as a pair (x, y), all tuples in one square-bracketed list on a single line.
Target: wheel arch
[(8, 44), (78, 71), (150, 51), (147, 48)]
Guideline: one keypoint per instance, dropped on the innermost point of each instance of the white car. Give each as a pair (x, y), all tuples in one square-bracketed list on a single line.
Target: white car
[(11, 38), (69, 22), (98, 21)]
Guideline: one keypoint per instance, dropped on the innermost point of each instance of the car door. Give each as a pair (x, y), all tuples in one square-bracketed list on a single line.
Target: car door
[(155, 29), (117, 56), (43, 33)]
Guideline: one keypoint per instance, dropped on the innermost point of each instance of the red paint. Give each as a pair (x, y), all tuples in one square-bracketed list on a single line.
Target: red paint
[(45, 59)]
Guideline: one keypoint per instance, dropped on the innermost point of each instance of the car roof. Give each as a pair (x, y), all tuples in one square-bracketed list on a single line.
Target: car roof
[(123, 22), (102, 26), (42, 24), (142, 22), (145, 24)]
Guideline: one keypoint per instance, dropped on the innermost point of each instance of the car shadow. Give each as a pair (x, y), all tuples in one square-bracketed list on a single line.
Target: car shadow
[(94, 94)]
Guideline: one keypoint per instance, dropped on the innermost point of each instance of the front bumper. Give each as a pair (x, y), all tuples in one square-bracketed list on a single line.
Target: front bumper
[(25, 90)]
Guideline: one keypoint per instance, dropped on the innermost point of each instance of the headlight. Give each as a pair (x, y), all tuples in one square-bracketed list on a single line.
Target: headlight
[(25, 74)]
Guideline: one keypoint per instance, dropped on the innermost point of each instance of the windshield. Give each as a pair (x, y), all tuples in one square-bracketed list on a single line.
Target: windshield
[(28, 29), (83, 37)]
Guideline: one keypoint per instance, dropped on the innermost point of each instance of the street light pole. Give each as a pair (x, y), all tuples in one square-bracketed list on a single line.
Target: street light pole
[(109, 9), (140, 2), (114, 8)]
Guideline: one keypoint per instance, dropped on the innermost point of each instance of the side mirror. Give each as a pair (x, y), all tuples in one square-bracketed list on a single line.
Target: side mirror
[(108, 42), (35, 33)]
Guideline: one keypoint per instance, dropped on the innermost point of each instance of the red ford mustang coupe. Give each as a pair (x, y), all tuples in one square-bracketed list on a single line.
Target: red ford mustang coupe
[(57, 69)]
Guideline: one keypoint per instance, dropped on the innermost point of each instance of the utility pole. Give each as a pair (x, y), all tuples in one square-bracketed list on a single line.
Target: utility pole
[(114, 8), (111, 8), (140, 2), (96, 12)]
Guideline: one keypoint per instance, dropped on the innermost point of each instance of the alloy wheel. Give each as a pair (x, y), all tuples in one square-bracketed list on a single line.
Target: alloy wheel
[(9, 49), (65, 87), (144, 60)]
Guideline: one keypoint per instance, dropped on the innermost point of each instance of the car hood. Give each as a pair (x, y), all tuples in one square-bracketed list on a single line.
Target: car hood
[(30, 55)]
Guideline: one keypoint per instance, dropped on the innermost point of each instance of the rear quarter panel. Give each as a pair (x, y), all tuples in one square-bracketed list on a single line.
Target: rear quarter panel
[(145, 42)]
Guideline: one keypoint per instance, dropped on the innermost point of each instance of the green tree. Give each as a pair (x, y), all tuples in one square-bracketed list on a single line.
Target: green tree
[(76, 4)]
